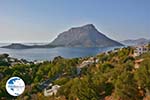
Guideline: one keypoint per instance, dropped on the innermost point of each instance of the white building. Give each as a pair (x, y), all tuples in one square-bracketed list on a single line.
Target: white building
[(88, 62), (52, 91), (140, 50), (38, 62)]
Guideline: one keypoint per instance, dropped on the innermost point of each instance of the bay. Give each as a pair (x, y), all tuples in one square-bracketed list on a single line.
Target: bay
[(43, 54)]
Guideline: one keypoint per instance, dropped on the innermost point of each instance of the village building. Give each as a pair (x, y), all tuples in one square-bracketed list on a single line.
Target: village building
[(88, 62), (52, 91), (141, 49)]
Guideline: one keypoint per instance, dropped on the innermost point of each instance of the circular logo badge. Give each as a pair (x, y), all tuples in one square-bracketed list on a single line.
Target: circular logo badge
[(15, 86)]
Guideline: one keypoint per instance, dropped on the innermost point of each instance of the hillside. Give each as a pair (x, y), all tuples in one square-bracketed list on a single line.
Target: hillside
[(107, 76)]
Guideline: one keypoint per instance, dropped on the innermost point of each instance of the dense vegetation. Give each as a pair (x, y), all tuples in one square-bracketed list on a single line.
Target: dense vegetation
[(113, 76)]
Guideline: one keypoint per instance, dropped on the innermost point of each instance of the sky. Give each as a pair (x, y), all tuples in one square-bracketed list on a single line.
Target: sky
[(43, 20)]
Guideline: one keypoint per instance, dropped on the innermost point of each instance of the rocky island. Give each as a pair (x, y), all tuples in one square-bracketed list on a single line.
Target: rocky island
[(84, 36), (22, 46)]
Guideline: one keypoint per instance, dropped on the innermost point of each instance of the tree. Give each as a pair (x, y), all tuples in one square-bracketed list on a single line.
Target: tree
[(3, 56), (125, 87), (106, 67), (143, 76), (79, 88)]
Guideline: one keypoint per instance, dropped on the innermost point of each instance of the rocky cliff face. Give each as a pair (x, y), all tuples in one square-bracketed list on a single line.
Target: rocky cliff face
[(85, 36)]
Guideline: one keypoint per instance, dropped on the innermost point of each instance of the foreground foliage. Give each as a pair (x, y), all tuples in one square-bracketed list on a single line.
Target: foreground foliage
[(113, 76)]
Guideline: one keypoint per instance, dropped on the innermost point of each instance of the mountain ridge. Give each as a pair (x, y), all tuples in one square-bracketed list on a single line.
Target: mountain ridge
[(134, 42)]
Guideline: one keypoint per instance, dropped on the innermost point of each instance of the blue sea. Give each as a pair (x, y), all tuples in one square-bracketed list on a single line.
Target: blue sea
[(42, 54)]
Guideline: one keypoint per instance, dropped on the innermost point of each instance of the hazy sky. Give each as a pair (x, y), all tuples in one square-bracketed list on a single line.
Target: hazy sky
[(43, 20)]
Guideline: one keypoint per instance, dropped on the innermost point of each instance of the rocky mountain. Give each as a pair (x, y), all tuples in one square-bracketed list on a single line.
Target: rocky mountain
[(84, 36), (134, 42)]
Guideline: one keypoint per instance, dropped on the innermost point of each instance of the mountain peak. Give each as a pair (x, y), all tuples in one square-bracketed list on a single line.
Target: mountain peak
[(84, 27), (89, 26)]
